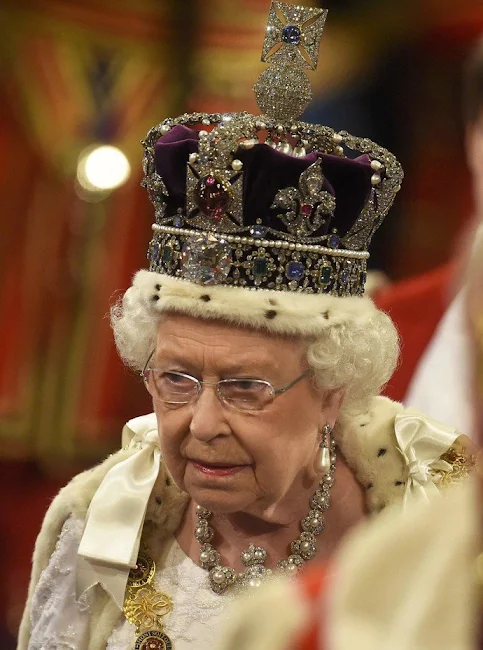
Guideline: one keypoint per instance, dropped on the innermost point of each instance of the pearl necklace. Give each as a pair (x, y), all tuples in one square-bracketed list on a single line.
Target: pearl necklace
[(302, 549)]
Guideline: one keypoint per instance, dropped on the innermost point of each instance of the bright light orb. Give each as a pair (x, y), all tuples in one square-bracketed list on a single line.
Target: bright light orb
[(103, 168)]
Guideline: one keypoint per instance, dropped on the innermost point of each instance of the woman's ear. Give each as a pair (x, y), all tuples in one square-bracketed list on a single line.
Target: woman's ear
[(331, 404)]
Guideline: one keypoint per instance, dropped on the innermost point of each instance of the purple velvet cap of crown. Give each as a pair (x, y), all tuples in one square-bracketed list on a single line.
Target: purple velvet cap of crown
[(266, 171)]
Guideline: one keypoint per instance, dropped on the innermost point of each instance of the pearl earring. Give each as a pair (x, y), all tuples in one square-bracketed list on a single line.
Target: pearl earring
[(322, 459)]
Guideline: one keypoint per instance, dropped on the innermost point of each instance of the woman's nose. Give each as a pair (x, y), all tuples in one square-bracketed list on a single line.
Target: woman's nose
[(208, 418)]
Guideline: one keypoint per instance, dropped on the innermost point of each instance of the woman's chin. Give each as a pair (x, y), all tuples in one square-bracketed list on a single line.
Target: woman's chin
[(219, 501), (219, 491)]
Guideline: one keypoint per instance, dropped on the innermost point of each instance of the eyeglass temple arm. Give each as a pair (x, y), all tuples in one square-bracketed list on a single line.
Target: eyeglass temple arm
[(146, 364), (279, 391)]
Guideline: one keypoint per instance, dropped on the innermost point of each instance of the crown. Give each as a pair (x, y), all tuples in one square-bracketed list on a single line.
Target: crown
[(268, 201)]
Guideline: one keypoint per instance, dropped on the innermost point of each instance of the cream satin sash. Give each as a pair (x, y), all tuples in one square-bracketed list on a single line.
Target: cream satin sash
[(422, 441), (114, 522)]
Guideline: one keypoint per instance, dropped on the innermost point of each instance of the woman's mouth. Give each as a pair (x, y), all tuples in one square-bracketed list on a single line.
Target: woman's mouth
[(216, 469)]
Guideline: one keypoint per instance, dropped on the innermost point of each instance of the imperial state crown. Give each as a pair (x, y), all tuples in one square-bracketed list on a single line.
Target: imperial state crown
[(268, 201)]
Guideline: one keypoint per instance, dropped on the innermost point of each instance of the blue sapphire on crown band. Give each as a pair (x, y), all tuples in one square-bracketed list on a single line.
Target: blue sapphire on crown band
[(295, 271)]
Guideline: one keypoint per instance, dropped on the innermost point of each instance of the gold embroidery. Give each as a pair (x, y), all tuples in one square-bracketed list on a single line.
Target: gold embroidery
[(461, 460)]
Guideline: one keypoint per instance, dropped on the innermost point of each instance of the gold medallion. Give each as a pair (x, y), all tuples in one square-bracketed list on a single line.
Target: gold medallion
[(153, 640), (143, 572)]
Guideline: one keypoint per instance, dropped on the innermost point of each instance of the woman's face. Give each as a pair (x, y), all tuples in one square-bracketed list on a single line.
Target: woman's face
[(231, 461)]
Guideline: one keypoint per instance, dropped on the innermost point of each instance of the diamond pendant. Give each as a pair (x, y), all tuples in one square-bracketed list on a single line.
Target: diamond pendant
[(153, 640)]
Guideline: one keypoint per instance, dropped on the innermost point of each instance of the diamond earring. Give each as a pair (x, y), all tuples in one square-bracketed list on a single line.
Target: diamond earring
[(322, 459)]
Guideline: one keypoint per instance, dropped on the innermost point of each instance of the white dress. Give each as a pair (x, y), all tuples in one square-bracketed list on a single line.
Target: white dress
[(58, 622)]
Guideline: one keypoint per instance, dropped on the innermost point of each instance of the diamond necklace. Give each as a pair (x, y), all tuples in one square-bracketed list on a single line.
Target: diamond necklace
[(302, 549)]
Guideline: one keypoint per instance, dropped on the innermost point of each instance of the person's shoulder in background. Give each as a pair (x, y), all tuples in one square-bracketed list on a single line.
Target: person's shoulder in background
[(409, 581)]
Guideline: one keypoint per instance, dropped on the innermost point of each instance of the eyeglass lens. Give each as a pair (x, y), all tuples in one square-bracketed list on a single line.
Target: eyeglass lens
[(178, 388)]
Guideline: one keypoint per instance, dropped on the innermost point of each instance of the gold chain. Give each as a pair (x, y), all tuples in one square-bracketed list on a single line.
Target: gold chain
[(145, 607)]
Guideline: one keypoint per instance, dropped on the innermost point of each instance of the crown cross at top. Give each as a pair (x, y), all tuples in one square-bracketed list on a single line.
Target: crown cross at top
[(293, 33), (291, 45)]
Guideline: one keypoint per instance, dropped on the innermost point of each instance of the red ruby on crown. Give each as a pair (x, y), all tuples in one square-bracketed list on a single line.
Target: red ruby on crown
[(213, 196)]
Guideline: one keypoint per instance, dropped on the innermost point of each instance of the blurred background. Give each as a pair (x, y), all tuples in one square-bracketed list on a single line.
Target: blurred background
[(76, 75)]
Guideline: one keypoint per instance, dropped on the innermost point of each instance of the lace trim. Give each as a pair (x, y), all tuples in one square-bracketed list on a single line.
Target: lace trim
[(57, 619)]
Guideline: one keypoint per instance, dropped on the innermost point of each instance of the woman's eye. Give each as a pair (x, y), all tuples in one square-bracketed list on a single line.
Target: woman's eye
[(175, 379), (247, 385)]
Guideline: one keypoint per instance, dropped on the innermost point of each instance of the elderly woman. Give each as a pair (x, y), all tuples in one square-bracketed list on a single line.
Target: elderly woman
[(264, 362)]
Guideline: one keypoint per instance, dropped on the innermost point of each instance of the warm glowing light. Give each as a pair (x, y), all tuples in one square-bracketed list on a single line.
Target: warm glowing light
[(102, 168)]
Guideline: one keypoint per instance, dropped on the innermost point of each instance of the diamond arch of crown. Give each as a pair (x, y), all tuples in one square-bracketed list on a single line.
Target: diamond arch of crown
[(222, 134)]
